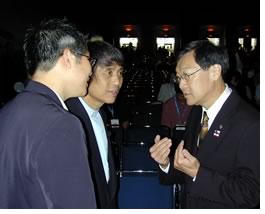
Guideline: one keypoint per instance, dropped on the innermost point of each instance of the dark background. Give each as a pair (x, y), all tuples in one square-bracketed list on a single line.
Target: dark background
[(103, 17)]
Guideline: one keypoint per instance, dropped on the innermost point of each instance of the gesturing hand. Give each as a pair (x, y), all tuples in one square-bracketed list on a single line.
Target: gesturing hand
[(160, 150), (185, 162)]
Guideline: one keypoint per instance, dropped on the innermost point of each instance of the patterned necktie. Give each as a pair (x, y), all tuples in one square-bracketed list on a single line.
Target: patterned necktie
[(204, 127)]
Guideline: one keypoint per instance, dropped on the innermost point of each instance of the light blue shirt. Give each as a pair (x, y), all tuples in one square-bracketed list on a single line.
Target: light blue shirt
[(100, 133)]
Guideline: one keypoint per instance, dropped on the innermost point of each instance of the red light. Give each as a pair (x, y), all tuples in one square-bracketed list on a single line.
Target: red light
[(166, 28), (128, 28)]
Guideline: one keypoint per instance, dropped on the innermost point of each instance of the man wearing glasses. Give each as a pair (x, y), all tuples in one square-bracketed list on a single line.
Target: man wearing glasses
[(89, 58), (222, 169), (103, 88), (43, 157)]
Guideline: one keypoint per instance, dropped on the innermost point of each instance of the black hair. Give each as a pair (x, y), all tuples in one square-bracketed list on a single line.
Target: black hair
[(105, 53), (207, 54), (44, 44)]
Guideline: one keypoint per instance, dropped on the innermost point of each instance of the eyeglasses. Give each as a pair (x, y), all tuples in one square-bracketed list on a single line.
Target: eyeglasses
[(185, 76), (90, 59)]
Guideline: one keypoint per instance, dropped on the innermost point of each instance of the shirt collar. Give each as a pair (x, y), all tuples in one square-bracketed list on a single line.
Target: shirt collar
[(215, 108), (91, 112), (61, 100)]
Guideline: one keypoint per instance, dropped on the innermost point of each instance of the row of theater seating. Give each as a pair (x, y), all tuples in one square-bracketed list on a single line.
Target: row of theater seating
[(138, 172), (139, 179), (141, 86)]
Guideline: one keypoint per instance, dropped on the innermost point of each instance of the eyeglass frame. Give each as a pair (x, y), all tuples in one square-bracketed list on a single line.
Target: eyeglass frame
[(186, 76), (89, 58)]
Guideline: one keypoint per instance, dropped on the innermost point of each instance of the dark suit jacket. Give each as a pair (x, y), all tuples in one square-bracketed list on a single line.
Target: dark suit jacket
[(43, 156), (106, 193), (229, 174)]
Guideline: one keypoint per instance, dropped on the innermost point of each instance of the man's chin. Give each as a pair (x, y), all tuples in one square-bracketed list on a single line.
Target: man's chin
[(110, 101)]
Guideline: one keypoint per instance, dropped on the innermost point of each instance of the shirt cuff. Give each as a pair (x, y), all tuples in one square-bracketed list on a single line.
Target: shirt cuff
[(166, 169)]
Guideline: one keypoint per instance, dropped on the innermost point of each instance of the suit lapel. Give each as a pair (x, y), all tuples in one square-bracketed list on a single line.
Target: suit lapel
[(77, 108), (112, 170), (221, 125)]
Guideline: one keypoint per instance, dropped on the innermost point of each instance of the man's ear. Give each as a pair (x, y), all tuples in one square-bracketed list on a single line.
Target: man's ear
[(68, 58), (216, 71)]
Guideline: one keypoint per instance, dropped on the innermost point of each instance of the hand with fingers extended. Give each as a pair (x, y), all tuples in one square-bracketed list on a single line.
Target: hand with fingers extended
[(160, 150), (185, 162)]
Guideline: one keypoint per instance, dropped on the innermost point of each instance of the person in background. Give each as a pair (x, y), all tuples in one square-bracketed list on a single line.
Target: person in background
[(219, 168), (118, 113), (43, 157), (167, 90), (103, 88), (175, 110)]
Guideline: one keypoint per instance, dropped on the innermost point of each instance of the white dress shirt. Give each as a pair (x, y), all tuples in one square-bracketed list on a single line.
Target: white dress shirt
[(61, 100), (215, 108), (211, 113)]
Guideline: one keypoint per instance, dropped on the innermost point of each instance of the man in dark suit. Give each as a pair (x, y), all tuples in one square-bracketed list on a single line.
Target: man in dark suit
[(43, 157), (103, 88), (222, 170)]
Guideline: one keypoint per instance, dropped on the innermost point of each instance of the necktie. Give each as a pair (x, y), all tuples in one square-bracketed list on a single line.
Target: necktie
[(204, 127)]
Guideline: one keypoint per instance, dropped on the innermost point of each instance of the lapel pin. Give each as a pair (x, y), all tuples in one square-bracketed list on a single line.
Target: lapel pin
[(216, 133)]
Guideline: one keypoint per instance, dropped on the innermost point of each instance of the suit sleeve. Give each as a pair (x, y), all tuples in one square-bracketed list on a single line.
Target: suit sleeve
[(239, 188), (62, 167), (172, 177)]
